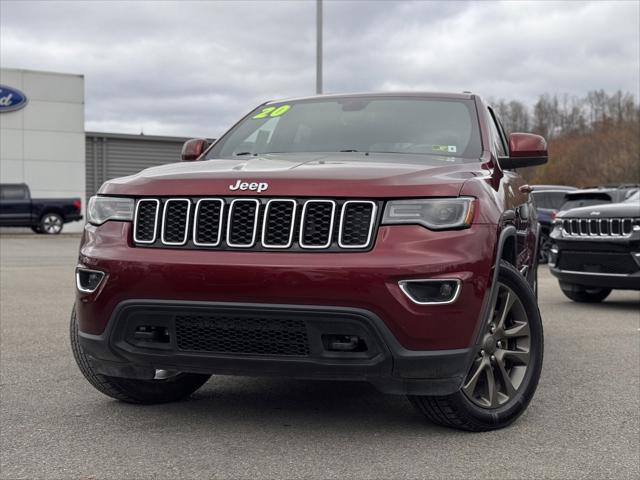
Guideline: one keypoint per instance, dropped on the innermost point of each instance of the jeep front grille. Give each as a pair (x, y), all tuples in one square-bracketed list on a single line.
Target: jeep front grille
[(256, 223), (597, 227)]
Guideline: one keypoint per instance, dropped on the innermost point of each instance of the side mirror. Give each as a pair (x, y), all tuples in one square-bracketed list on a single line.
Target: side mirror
[(192, 149), (525, 150)]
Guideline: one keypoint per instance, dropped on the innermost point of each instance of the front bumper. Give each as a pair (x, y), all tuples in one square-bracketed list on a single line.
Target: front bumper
[(383, 362), (600, 262), (415, 348)]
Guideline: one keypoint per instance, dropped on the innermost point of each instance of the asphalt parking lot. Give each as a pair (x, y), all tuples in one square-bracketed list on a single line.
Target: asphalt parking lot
[(584, 421)]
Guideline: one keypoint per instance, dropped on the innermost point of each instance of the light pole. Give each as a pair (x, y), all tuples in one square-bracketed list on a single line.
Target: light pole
[(318, 47)]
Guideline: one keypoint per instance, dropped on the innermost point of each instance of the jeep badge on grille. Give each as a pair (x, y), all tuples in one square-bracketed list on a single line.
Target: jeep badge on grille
[(254, 186)]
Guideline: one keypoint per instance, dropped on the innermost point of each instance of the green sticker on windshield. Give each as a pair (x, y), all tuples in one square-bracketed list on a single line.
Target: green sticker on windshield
[(444, 148), (272, 112)]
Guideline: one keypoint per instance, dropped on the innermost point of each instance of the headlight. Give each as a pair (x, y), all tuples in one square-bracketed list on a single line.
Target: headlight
[(102, 209), (433, 213), (557, 224)]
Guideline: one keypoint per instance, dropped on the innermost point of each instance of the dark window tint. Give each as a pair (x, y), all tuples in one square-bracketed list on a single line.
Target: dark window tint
[(552, 200), (13, 192), (585, 201)]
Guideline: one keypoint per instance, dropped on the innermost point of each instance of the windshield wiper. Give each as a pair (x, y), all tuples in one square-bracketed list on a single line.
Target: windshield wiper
[(243, 153), (349, 150)]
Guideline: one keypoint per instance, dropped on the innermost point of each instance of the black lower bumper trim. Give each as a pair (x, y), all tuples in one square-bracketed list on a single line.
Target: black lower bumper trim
[(602, 280), (384, 362)]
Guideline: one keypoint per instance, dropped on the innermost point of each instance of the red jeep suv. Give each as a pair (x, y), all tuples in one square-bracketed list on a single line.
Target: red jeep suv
[(375, 237)]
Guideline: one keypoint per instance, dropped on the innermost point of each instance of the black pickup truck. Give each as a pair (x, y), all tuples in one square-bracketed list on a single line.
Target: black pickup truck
[(43, 215)]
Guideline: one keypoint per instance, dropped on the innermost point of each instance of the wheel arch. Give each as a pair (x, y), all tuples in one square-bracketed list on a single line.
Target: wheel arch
[(47, 210), (506, 244), (507, 248)]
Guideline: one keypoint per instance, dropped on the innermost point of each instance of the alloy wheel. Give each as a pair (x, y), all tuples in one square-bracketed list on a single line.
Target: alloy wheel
[(52, 224), (499, 369), (544, 249)]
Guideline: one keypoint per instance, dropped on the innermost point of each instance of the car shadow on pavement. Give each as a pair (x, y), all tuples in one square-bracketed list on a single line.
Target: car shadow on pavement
[(231, 403), (612, 304)]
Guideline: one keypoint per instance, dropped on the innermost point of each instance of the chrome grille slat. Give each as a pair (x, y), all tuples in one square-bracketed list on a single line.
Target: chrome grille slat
[(352, 227), (241, 212), (145, 224), (208, 221), (597, 227), (615, 227), (316, 224), (584, 227), (175, 221), (278, 224), (262, 224)]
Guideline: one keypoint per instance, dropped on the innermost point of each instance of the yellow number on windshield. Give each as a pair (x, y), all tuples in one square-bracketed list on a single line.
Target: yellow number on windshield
[(280, 110), (272, 112), (265, 112)]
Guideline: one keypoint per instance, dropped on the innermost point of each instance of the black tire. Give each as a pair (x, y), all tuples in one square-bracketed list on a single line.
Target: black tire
[(36, 229), (51, 223), (585, 294), (134, 390), (458, 410), (544, 248)]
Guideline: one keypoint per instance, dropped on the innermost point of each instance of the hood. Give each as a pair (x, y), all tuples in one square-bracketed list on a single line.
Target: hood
[(328, 175), (609, 210)]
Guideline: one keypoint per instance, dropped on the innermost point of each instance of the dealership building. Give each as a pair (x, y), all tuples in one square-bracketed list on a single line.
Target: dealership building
[(43, 142)]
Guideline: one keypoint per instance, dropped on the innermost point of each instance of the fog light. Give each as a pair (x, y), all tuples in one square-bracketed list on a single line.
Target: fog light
[(431, 292), (87, 280), (344, 343), (152, 333)]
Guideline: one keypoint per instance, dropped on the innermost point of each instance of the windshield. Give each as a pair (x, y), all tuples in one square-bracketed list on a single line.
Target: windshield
[(446, 128), (585, 200), (548, 199)]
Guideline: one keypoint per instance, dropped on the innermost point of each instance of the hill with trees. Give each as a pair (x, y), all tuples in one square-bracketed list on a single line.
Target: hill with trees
[(593, 140)]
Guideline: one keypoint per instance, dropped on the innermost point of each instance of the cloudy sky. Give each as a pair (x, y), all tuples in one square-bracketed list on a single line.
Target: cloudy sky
[(192, 68)]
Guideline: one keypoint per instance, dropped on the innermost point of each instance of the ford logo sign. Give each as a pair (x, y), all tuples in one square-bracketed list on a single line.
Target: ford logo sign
[(11, 99)]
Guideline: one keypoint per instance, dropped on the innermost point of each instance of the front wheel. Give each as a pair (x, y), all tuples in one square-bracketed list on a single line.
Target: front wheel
[(132, 390), (585, 294), (505, 371)]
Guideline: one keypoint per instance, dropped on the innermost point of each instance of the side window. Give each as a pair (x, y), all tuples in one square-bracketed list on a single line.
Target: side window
[(496, 136), (13, 192), (503, 134)]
